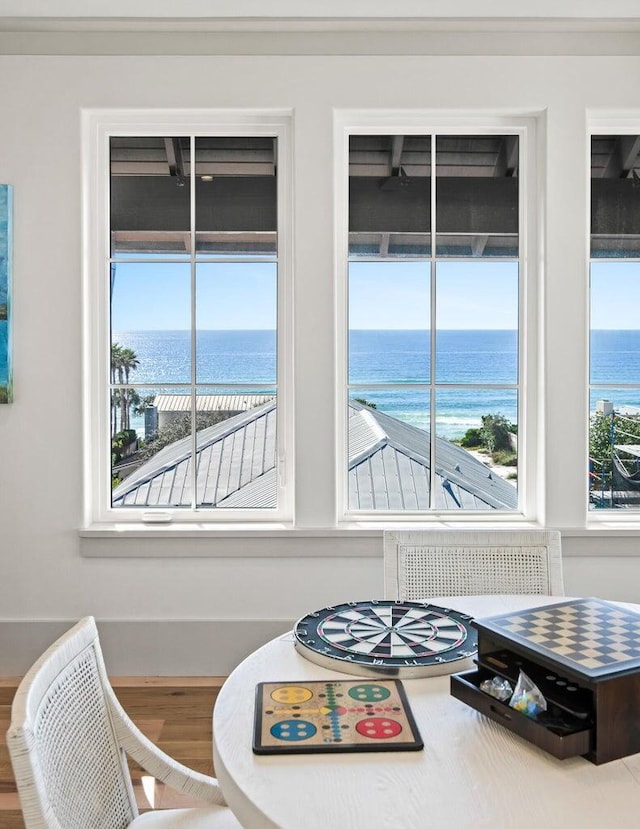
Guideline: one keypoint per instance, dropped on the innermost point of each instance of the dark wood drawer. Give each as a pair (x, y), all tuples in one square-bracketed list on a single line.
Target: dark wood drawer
[(465, 687)]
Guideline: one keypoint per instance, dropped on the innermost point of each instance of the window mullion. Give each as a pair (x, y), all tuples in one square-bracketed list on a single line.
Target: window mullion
[(193, 311), (432, 331)]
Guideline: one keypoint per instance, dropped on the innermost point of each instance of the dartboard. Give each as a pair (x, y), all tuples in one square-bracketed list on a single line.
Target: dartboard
[(405, 639)]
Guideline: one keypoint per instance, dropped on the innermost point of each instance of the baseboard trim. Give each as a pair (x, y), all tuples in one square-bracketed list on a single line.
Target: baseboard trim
[(148, 682), (157, 647)]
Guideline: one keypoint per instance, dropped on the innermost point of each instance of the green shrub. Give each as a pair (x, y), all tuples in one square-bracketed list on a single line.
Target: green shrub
[(123, 439), (504, 457), (495, 432), (471, 438), (365, 402), (177, 429)]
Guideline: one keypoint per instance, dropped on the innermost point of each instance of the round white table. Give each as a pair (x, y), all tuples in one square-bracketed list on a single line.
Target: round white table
[(471, 773)]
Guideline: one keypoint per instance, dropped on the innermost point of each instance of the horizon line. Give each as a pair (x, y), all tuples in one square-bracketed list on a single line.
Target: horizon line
[(273, 330)]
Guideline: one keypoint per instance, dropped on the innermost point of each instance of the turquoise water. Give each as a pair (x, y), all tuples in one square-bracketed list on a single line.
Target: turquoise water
[(400, 357)]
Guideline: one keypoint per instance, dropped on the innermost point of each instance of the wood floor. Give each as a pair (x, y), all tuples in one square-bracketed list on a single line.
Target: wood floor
[(174, 713)]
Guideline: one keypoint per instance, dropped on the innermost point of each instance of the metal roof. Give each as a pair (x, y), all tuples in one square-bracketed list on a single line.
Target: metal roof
[(175, 403), (230, 456), (391, 472), (389, 464)]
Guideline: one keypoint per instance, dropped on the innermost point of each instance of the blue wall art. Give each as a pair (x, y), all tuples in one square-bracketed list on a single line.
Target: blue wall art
[(6, 377)]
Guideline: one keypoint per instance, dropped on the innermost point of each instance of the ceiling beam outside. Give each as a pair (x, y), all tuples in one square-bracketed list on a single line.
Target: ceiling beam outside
[(175, 159), (397, 144), (214, 168), (478, 244), (507, 157), (629, 149)]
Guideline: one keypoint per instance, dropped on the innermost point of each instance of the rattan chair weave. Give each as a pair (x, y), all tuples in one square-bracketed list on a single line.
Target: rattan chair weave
[(423, 564), (85, 788), (467, 571), (68, 741)]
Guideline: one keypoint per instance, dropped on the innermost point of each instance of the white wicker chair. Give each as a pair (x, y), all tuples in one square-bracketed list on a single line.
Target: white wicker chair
[(68, 741), (423, 564)]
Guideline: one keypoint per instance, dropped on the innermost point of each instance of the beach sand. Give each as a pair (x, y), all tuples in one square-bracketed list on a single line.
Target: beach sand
[(502, 471)]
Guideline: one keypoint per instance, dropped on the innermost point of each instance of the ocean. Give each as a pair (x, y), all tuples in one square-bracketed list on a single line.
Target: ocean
[(403, 357), (374, 357)]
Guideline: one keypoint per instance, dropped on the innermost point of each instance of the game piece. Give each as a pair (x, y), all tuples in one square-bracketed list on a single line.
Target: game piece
[(388, 638), (498, 688), (527, 697), (584, 657), (562, 692), (329, 716)]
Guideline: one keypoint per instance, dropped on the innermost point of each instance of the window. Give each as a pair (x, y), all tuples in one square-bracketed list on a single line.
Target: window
[(614, 376), (435, 266), (187, 317)]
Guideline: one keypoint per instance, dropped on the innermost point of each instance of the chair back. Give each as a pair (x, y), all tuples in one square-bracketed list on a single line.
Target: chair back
[(69, 769), (419, 565)]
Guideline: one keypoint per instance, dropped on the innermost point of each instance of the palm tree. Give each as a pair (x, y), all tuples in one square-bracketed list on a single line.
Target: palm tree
[(123, 362), (116, 376), (129, 362), (116, 349), (143, 403)]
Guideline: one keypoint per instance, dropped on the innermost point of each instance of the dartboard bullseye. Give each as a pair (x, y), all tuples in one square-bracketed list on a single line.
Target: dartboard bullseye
[(404, 639)]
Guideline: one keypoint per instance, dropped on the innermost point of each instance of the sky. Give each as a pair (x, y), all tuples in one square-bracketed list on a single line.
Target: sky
[(470, 295), (155, 297), (615, 295), (382, 295)]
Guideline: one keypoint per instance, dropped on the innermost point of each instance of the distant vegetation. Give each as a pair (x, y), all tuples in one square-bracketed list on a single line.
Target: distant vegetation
[(365, 402), (606, 431), (179, 427), (495, 437), (123, 362)]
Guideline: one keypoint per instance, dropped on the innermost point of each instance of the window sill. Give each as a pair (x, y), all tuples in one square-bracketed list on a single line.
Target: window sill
[(137, 540), (195, 530), (608, 529), (279, 540), (346, 529)]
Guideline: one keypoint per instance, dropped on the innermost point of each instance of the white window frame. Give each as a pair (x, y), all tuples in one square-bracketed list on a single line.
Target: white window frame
[(530, 369), (98, 125), (602, 123)]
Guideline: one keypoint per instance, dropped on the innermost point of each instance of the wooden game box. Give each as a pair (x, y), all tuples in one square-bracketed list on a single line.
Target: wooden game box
[(584, 656)]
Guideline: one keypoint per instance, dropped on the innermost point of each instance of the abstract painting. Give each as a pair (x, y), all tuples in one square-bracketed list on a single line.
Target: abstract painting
[(6, 376)]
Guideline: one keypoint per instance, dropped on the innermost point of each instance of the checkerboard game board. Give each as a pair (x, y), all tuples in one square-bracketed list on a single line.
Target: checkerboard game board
[(591, 636)]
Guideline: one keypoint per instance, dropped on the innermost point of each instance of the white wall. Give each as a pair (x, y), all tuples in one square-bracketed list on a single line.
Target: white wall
[(43, 576)]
